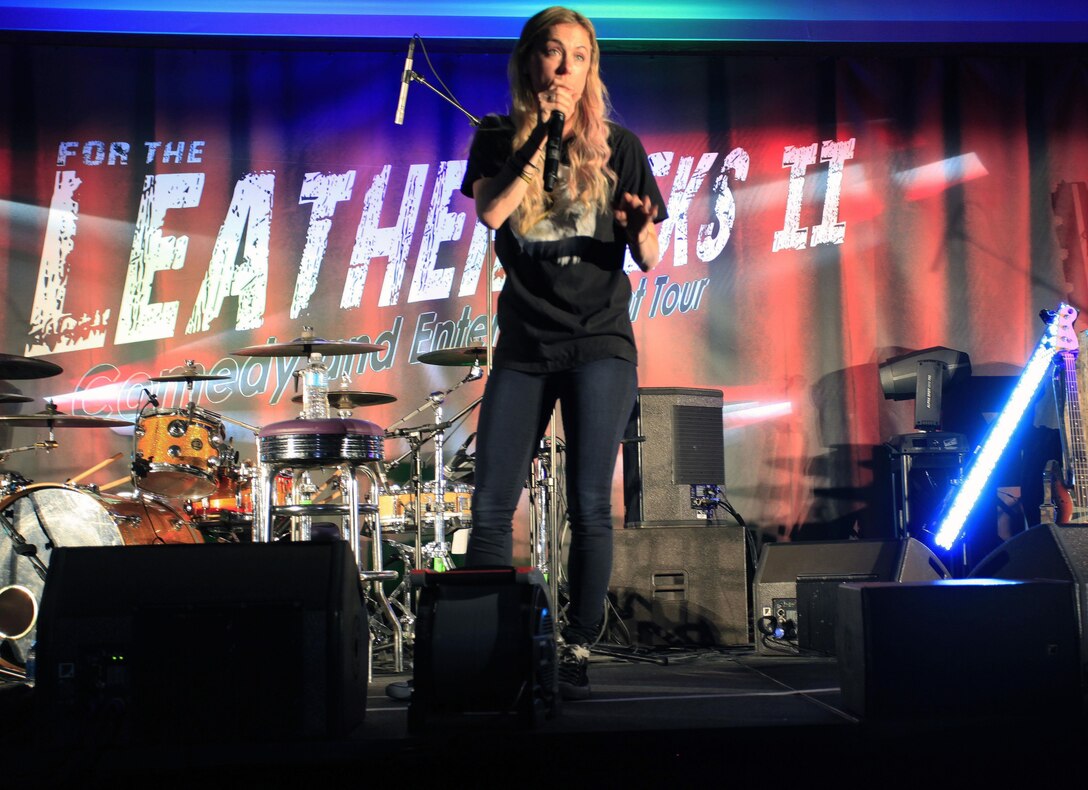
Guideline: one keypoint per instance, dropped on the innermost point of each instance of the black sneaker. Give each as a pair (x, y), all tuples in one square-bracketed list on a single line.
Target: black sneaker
[(573, 678), (400, 691)]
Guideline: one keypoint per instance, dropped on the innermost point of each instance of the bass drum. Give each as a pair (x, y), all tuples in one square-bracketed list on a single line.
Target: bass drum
[(145, 521), (47, 515)]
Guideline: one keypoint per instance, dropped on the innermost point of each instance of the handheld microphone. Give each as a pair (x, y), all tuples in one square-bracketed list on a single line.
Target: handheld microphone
[(551, 149), (405, 81)]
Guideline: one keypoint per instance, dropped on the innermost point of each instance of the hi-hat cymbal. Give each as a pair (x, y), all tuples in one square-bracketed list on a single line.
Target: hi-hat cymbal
[(190, 372), (349, 399), (454, 356), (13, 366), (192, 377), (11, 397), (51, 418), (304, 346)]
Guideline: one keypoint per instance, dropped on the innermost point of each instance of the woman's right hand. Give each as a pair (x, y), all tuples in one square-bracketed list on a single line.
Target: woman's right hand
[(557, 97)]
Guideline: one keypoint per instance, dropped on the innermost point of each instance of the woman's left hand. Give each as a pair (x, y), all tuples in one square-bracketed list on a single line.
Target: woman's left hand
[(633, 214), (636, 216)]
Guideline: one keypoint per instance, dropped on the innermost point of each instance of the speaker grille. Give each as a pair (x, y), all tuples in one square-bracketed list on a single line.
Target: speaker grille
[(697, 445), (673, 441)]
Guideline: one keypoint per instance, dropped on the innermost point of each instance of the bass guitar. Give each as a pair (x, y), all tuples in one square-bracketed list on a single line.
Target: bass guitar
[(1065, 486)]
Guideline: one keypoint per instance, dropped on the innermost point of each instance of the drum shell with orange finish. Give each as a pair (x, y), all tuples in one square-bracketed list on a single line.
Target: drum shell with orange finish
[(145, 521), (179, 451), (233, 497)]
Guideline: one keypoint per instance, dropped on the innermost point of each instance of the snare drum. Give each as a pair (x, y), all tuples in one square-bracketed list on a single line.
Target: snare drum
[(398, 510), (390, 510), (177, 452), (47, 515)]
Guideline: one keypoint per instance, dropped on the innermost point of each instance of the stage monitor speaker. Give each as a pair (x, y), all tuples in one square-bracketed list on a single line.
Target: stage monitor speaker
[(959, 648), (682, 585), (485, 652), (155, 645), (673, 441), (1047, 551), (793, 594)]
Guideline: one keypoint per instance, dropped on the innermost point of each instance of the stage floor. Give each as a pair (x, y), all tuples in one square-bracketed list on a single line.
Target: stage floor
[(717, 716)]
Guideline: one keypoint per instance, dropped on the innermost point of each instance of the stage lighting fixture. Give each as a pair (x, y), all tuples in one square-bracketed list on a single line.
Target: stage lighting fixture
[(924, 375), (1059, 336)]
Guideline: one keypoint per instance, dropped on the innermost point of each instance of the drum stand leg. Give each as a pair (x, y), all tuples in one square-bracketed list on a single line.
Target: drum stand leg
[(263, 482), (374, 577), (546, 516), (371, 579)]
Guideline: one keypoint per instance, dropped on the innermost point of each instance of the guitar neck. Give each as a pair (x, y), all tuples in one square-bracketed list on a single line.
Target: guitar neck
[(1078, 450)]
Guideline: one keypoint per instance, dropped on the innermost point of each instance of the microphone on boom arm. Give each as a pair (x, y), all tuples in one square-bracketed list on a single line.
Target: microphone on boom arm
[(405, 81)]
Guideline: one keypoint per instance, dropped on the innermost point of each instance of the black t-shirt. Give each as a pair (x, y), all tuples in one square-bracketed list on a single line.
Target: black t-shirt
[(565, 298)]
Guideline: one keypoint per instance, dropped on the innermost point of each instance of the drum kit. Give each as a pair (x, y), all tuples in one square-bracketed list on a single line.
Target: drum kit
[(191, 485)]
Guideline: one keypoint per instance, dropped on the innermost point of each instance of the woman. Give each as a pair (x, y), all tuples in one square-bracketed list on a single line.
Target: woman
[(565, 333)]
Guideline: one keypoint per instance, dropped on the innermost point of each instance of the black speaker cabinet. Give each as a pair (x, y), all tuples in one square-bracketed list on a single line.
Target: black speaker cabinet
[(674, 441), (208, 643), (1047, 551), (793, 593), (959, 648), (682, 585), (485, 652)]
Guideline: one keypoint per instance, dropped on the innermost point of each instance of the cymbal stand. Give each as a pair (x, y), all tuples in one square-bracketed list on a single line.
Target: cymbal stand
[(47, 445), (546, 517), (437, 552), (416, 439), (21, 547), (190, 364)]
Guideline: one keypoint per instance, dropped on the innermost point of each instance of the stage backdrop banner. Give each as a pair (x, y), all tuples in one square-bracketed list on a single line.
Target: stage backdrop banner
[(163, 203)]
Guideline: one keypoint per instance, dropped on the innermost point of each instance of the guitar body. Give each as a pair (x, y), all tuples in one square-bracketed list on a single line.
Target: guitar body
[(1057, 506), (1065, 485)]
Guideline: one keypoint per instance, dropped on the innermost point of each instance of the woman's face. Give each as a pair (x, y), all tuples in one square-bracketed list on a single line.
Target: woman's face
[(561, 60)]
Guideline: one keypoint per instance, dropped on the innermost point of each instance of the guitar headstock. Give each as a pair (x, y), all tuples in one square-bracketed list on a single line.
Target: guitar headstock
[(1060, 333)]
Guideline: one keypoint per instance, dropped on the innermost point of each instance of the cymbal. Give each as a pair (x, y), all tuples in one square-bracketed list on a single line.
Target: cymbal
[(51, 418), (304, 346), (11, 397), (190, 372), (13, 366), (349, 399), (192, 377), (454, 356)]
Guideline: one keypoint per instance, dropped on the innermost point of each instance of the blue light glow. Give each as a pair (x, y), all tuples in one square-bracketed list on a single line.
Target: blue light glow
[(680, 20), (990, 452)]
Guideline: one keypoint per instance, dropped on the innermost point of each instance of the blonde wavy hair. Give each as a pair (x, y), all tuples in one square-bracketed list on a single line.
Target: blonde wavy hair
[(591, 180)]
